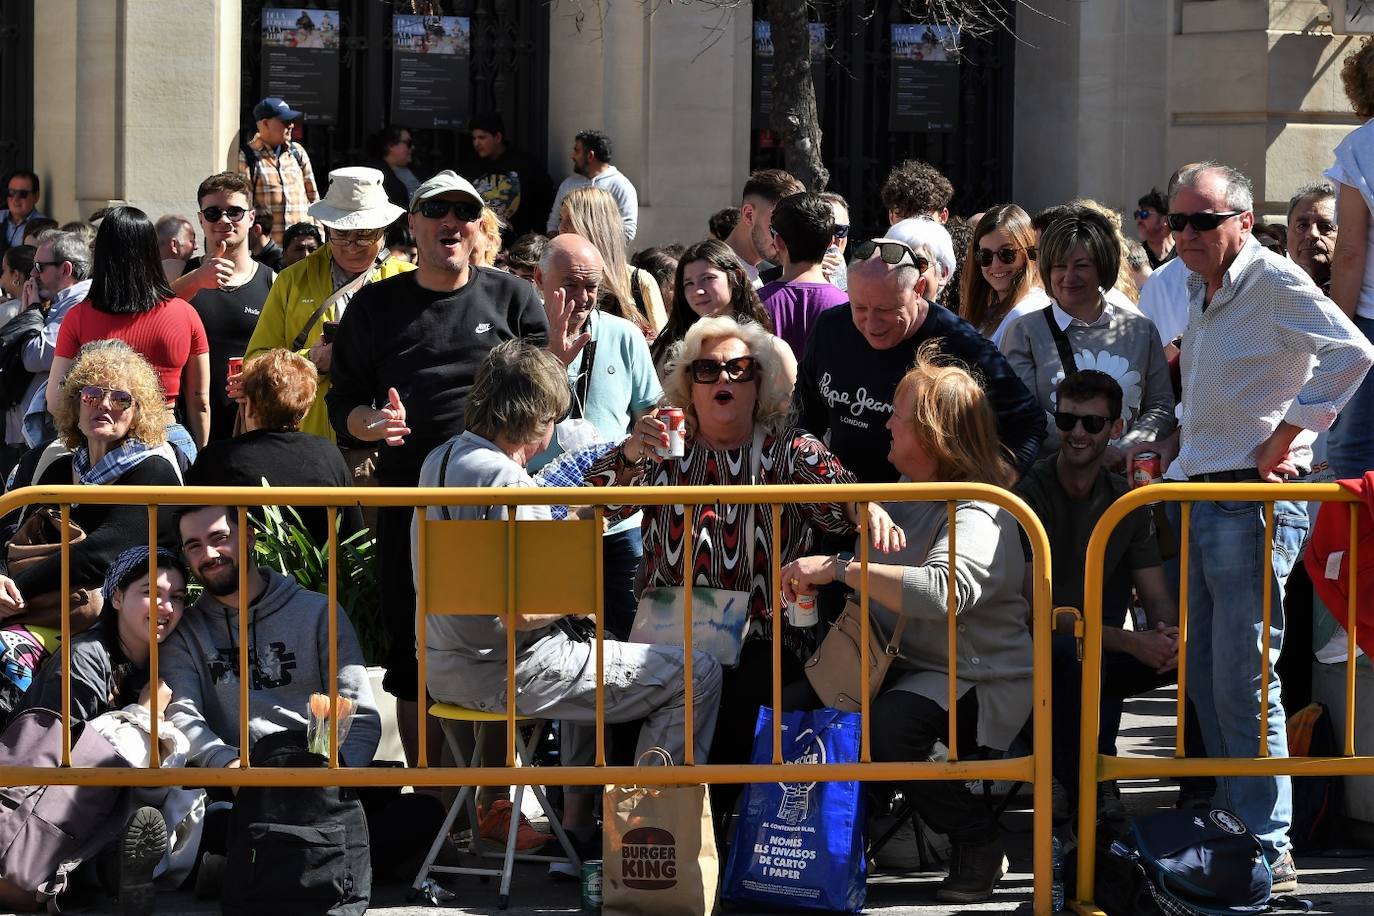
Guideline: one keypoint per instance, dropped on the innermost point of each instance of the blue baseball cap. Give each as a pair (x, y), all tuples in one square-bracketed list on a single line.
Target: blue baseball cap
[(273, 107)]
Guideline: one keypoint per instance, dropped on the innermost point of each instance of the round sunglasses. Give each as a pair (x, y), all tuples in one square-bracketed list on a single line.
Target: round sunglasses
[(93, 395)]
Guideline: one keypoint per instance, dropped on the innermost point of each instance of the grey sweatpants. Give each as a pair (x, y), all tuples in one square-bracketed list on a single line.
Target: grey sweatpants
[(555, 678)]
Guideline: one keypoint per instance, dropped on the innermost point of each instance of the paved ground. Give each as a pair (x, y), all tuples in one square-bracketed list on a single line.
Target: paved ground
[(1334, 885)]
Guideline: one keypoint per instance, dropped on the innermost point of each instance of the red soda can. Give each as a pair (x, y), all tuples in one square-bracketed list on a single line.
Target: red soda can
[(235, 365), (676, 420), (1145, 469)]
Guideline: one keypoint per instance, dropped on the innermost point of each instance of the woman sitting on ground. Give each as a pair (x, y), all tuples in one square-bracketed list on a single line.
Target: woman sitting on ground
[(278, 390), (944, 430), (710, 281)]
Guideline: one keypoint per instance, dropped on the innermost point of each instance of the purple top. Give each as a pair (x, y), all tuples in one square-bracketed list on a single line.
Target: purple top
[(795, 306)]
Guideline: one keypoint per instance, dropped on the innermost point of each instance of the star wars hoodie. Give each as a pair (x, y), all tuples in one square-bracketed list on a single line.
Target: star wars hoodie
[(288, 654)]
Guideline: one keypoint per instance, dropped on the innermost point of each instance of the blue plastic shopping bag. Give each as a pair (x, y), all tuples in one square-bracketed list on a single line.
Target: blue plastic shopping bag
[(800, 845)]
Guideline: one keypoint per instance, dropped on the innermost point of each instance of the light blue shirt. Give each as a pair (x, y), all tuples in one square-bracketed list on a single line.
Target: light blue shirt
[(623, 383)]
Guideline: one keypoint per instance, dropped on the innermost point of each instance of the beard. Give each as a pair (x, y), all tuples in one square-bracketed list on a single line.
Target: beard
[(220, 577)]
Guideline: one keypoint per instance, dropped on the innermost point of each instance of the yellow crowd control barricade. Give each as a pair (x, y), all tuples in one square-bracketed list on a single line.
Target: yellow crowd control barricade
[(1095, 767), (507, 568)]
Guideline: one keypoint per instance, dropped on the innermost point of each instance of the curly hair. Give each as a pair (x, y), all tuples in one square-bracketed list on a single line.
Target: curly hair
[(772, 409), (281, 386), (1357, 76), (915, 188), (113, 364)]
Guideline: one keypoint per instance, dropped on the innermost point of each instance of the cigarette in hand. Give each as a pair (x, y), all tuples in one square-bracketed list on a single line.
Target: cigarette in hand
[(377, 423)]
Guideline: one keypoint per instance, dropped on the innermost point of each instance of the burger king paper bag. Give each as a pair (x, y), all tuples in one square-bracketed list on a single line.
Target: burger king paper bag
[(659, 850)]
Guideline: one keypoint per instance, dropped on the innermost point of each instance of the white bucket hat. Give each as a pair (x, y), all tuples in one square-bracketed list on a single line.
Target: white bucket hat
[(355, 200)]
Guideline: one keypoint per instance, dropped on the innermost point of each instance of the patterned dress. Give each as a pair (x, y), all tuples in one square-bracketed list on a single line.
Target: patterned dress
[(720, 556)]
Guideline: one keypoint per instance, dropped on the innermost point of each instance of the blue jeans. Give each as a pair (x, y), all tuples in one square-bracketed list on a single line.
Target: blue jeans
[(1350, 444), (1225, 607), (179, 439)]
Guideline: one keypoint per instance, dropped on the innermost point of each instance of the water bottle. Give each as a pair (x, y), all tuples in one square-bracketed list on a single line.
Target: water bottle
[(1057, 873)]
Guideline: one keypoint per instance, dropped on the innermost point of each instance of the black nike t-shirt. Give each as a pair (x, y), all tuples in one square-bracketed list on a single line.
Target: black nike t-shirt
[(229, 317)]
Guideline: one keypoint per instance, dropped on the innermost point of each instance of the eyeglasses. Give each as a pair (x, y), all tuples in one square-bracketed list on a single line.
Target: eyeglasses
[(1006, 254), (841, 230), (358, 238), (739, 369), (1202, 222), (466, 210), (41, 266), (20, 193), (892, 252), (92, 395), (213, 214), (1092, 423), (1143, 214)]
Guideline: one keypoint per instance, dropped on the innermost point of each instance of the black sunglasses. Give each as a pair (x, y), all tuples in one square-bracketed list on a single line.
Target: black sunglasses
[(1202, 222), (213, 214), (1005, 254), (891, 253), (739, 369), (40, 266), (20, 193), (841, 230), (465, 210), (1092, 423)]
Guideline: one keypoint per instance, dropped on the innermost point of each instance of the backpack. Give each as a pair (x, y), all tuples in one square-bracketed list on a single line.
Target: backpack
[(47, 831), (1195, 861), (1318, 823), (296, 851), (253, 160)]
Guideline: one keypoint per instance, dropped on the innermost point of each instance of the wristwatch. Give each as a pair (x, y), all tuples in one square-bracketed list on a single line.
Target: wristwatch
[(842, 561)]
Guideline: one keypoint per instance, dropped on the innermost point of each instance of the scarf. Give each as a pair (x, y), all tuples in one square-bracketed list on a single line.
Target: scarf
[(117, 461)]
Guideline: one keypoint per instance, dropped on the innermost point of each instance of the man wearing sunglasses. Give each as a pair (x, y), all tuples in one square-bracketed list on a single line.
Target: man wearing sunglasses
[(1267, 362), (21, 198), (858, 352), (1152, 227), (278, 169), (1069, 491), (405, 356), (61, 278), (228, 289)]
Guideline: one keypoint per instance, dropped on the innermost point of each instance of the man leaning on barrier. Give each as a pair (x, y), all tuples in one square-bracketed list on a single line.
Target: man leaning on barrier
[(1267, 360), (519, 393)]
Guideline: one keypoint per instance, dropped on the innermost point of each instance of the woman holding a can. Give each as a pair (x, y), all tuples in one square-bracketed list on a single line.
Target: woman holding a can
[(944, 430), (736, 402)]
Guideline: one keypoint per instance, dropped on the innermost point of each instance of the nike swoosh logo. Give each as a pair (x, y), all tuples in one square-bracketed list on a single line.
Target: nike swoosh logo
[(482, 328)]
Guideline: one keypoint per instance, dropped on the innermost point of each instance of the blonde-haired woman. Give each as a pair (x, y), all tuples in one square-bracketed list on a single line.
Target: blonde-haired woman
[(629, 292), (1000, 282), (728, 379), (110, 411), (943, 429), (488, 241)]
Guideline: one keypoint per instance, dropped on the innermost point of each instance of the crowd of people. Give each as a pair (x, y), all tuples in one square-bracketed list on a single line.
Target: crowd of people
[(402, 330)]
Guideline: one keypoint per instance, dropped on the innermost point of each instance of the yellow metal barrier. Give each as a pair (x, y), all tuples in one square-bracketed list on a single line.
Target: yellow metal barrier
[(1095, 767), (516, 586)]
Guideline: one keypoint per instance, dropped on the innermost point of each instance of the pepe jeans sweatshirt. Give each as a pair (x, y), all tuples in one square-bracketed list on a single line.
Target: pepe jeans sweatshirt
[(288, 654)]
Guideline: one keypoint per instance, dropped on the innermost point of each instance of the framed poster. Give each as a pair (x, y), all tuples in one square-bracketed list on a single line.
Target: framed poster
[(763, 69), (429, 70), (300, 60)]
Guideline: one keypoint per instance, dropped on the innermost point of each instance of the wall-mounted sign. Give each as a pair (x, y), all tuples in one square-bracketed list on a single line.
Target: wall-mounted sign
[(763, 69), (300, 60), (429, 70), (925, 78)]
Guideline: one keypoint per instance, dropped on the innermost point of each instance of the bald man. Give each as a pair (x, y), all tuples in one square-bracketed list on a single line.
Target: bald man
[(858, 352)]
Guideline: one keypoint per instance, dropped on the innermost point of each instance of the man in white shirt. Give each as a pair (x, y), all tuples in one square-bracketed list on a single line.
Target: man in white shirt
[(591, 159), (1265, 357)]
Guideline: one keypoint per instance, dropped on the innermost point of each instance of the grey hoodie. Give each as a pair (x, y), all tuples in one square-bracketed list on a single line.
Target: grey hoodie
[(288, 652)]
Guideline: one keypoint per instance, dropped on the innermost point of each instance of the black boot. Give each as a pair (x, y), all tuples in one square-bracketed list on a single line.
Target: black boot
[(140, 849), (974, 870)]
